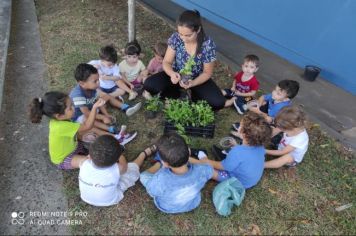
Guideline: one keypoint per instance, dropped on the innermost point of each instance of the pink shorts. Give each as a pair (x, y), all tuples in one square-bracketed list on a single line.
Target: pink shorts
[(66, 164)]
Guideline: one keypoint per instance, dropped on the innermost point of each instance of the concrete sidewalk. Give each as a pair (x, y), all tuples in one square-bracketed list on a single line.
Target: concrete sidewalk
[(32, 198), (331, 107), (5, 21)]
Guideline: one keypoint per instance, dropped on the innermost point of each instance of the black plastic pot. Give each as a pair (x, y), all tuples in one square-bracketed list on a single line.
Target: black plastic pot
[(311, 72), (150, 114), (202, 131)]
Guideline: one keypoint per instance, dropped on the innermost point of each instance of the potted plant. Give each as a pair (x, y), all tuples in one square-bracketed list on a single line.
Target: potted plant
[(186, 72), (153, 106), (197, 119)]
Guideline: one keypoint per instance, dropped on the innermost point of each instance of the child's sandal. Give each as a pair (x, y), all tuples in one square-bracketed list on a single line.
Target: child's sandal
[(152, 150)]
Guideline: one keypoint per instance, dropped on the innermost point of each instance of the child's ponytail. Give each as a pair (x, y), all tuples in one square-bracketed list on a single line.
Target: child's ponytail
[(36, 110), (52, 103)]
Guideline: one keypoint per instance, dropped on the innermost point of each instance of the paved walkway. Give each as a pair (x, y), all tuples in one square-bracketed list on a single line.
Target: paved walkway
[(29, 184), (328, 105), (5, 21)]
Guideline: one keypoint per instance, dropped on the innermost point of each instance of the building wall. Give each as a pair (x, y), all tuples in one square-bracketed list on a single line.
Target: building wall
[(316, 32)]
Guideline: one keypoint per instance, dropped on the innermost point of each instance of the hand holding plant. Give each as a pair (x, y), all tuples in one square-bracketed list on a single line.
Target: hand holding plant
[(186, 72)]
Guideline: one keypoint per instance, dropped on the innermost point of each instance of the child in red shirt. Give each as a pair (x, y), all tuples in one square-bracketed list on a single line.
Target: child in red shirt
[(245, 85)]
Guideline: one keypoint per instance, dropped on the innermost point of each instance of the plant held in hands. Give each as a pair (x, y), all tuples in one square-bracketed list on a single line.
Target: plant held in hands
[(186, 72)]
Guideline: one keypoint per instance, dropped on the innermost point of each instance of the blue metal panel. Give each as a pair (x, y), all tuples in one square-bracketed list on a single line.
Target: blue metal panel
[(318, 32)]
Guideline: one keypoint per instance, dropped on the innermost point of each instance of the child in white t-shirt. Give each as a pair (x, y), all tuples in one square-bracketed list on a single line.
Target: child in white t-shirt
[(132, 69), (106, 175), (109, 74), (291, 121)]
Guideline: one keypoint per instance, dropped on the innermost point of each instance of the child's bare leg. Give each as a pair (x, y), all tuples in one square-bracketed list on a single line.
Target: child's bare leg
[(279, 162), (223, 92), (215, 175), (142, 156), (100, 132), (122, 85), (77, 160), (115, 102), (118, 92), (229, 102), (101, 125)]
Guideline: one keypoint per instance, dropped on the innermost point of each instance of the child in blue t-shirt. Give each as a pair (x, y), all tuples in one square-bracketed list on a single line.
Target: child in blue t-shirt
[(244, 162), (269, 105), (174, 183)]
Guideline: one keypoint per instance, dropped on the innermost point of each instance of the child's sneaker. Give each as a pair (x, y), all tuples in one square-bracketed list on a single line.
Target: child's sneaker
[(239, 107), (125, 138), (146, 95), (121, 99), (195, 153), (132, 95), (132, 110), (113, 129), (236, 126)]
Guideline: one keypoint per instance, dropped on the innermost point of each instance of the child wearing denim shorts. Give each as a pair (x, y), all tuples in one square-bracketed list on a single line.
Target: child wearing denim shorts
[(245, 85), (109, 74)]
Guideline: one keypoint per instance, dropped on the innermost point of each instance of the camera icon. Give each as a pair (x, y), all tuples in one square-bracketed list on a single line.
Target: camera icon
[(17, 218)]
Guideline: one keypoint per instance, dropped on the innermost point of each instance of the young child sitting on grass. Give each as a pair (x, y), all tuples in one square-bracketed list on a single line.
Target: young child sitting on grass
[(245, 85), (291, 121), (109, 74), (65, 151), (174, 183), (132, 69), (84, 95), (269, 105), (244, 162), (155, 64), (106, 175)]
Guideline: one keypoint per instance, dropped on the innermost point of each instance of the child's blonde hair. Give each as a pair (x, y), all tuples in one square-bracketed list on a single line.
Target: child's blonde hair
[(290, 117), (160, 48)]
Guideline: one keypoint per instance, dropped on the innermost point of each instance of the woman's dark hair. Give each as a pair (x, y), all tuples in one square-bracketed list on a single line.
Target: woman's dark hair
[(192, 20), (173, 149), (52, 103), (108, 53), (105, 151), (133, 48)]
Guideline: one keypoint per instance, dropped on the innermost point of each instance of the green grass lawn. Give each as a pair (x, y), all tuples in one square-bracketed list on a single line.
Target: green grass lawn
[(284, 202)]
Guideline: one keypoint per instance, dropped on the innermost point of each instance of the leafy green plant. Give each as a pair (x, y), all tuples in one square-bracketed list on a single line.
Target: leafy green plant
[(203, 115), (184, 113), (187, 69), (154, 104)]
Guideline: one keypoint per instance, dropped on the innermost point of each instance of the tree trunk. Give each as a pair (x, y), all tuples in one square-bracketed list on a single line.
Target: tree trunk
[(131, 20)]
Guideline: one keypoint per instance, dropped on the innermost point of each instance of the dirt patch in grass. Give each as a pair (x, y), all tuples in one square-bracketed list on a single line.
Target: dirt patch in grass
[(284, 202)]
